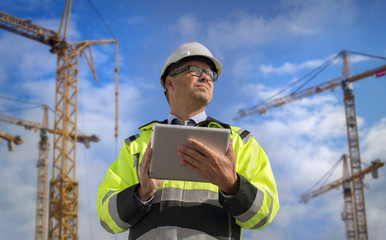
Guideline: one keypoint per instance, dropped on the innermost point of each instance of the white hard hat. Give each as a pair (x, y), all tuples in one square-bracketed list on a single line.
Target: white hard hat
[(188, 50)]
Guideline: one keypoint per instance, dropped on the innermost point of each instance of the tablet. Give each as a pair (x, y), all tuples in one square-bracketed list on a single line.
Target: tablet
[(165, 163)]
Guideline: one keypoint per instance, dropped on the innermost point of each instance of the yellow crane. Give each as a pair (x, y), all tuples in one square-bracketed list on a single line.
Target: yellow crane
[(345, 182), (30, 125), (42, 165), (63, 197), (345, 177), (358, 222), (11, 140)]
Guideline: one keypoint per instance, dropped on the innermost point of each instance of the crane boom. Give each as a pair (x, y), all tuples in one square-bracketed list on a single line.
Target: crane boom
[(338, 182), (16, 139), (30, 125), (11, 140), (27, 29), (329, 85), (357, 227)]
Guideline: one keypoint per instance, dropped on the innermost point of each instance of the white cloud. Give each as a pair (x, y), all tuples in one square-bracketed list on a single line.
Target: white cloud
[(290, 68), (18, 170), (241, 29), (35, 88), (295, 68), (312, 14), (256, 92), (32, 59), (373, 142), (136, 20), (188, 26)]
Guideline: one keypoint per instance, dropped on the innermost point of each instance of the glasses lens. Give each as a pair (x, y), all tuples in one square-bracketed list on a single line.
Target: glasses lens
[(197, 71), (214, 78)]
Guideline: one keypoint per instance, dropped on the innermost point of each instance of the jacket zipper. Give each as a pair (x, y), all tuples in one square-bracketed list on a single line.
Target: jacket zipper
[(136, 164)]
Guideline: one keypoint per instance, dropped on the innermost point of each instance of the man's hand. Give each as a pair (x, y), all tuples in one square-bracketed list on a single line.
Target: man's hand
[(147, 186), (215, 168)]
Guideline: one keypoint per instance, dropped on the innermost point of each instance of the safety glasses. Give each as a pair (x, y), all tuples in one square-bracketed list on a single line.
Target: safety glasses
[(197, 71)]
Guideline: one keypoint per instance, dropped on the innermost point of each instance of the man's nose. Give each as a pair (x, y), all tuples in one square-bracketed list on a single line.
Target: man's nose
[(204, 77)]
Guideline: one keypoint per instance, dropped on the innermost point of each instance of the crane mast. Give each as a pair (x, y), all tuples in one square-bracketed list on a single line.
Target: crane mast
[(353, 146), (42, 165), (63, 211), (356, 223), (42, 182), (348, 214)]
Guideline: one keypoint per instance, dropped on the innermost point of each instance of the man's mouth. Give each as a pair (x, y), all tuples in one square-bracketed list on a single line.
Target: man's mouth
[(202, 86)]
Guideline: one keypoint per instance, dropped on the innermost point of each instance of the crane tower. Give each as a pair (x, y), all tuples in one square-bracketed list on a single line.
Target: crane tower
[(63, 197), (42, 165)]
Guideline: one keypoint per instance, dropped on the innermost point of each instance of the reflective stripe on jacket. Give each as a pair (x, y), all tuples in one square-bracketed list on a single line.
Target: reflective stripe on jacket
[(188, 210)]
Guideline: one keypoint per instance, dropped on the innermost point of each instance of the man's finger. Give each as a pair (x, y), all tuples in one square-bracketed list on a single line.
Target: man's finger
[(201, 148)]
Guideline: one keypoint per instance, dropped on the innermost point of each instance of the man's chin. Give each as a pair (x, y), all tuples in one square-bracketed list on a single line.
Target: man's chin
[(203, 99)]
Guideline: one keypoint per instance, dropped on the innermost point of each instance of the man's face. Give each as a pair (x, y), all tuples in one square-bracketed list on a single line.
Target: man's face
[(189, 89)]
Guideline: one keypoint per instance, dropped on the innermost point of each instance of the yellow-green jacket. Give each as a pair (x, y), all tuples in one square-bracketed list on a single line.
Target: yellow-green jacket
[(188, 210)]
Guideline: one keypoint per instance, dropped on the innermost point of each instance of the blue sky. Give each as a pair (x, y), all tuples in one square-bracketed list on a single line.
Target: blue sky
[(263, 46)]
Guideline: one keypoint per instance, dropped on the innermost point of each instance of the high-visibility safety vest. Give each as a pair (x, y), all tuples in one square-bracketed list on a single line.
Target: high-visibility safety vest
[(188, 210)]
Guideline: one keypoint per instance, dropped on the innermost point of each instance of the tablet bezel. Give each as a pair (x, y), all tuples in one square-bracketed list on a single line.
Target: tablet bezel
[(165, 163)]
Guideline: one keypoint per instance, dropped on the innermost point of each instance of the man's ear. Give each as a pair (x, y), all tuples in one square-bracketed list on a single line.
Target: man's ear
[(169, 84)]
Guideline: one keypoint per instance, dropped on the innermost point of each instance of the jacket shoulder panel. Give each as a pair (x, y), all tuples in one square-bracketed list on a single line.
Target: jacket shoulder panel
[(143, 128), (245, 135), (131, 139)]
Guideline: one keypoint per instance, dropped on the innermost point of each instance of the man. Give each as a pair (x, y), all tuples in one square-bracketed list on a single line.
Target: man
[(241, 190)]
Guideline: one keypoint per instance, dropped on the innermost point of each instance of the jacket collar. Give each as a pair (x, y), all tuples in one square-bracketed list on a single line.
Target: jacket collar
[(209, 122)]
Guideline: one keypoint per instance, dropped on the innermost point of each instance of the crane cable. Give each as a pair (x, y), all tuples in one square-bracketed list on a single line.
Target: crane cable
[(18, 109), (36, 105), (367, 55), (322, 67), (112, 33), (318, 70), (325, 177), (17, 100), (21, 101), (103, 21)]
